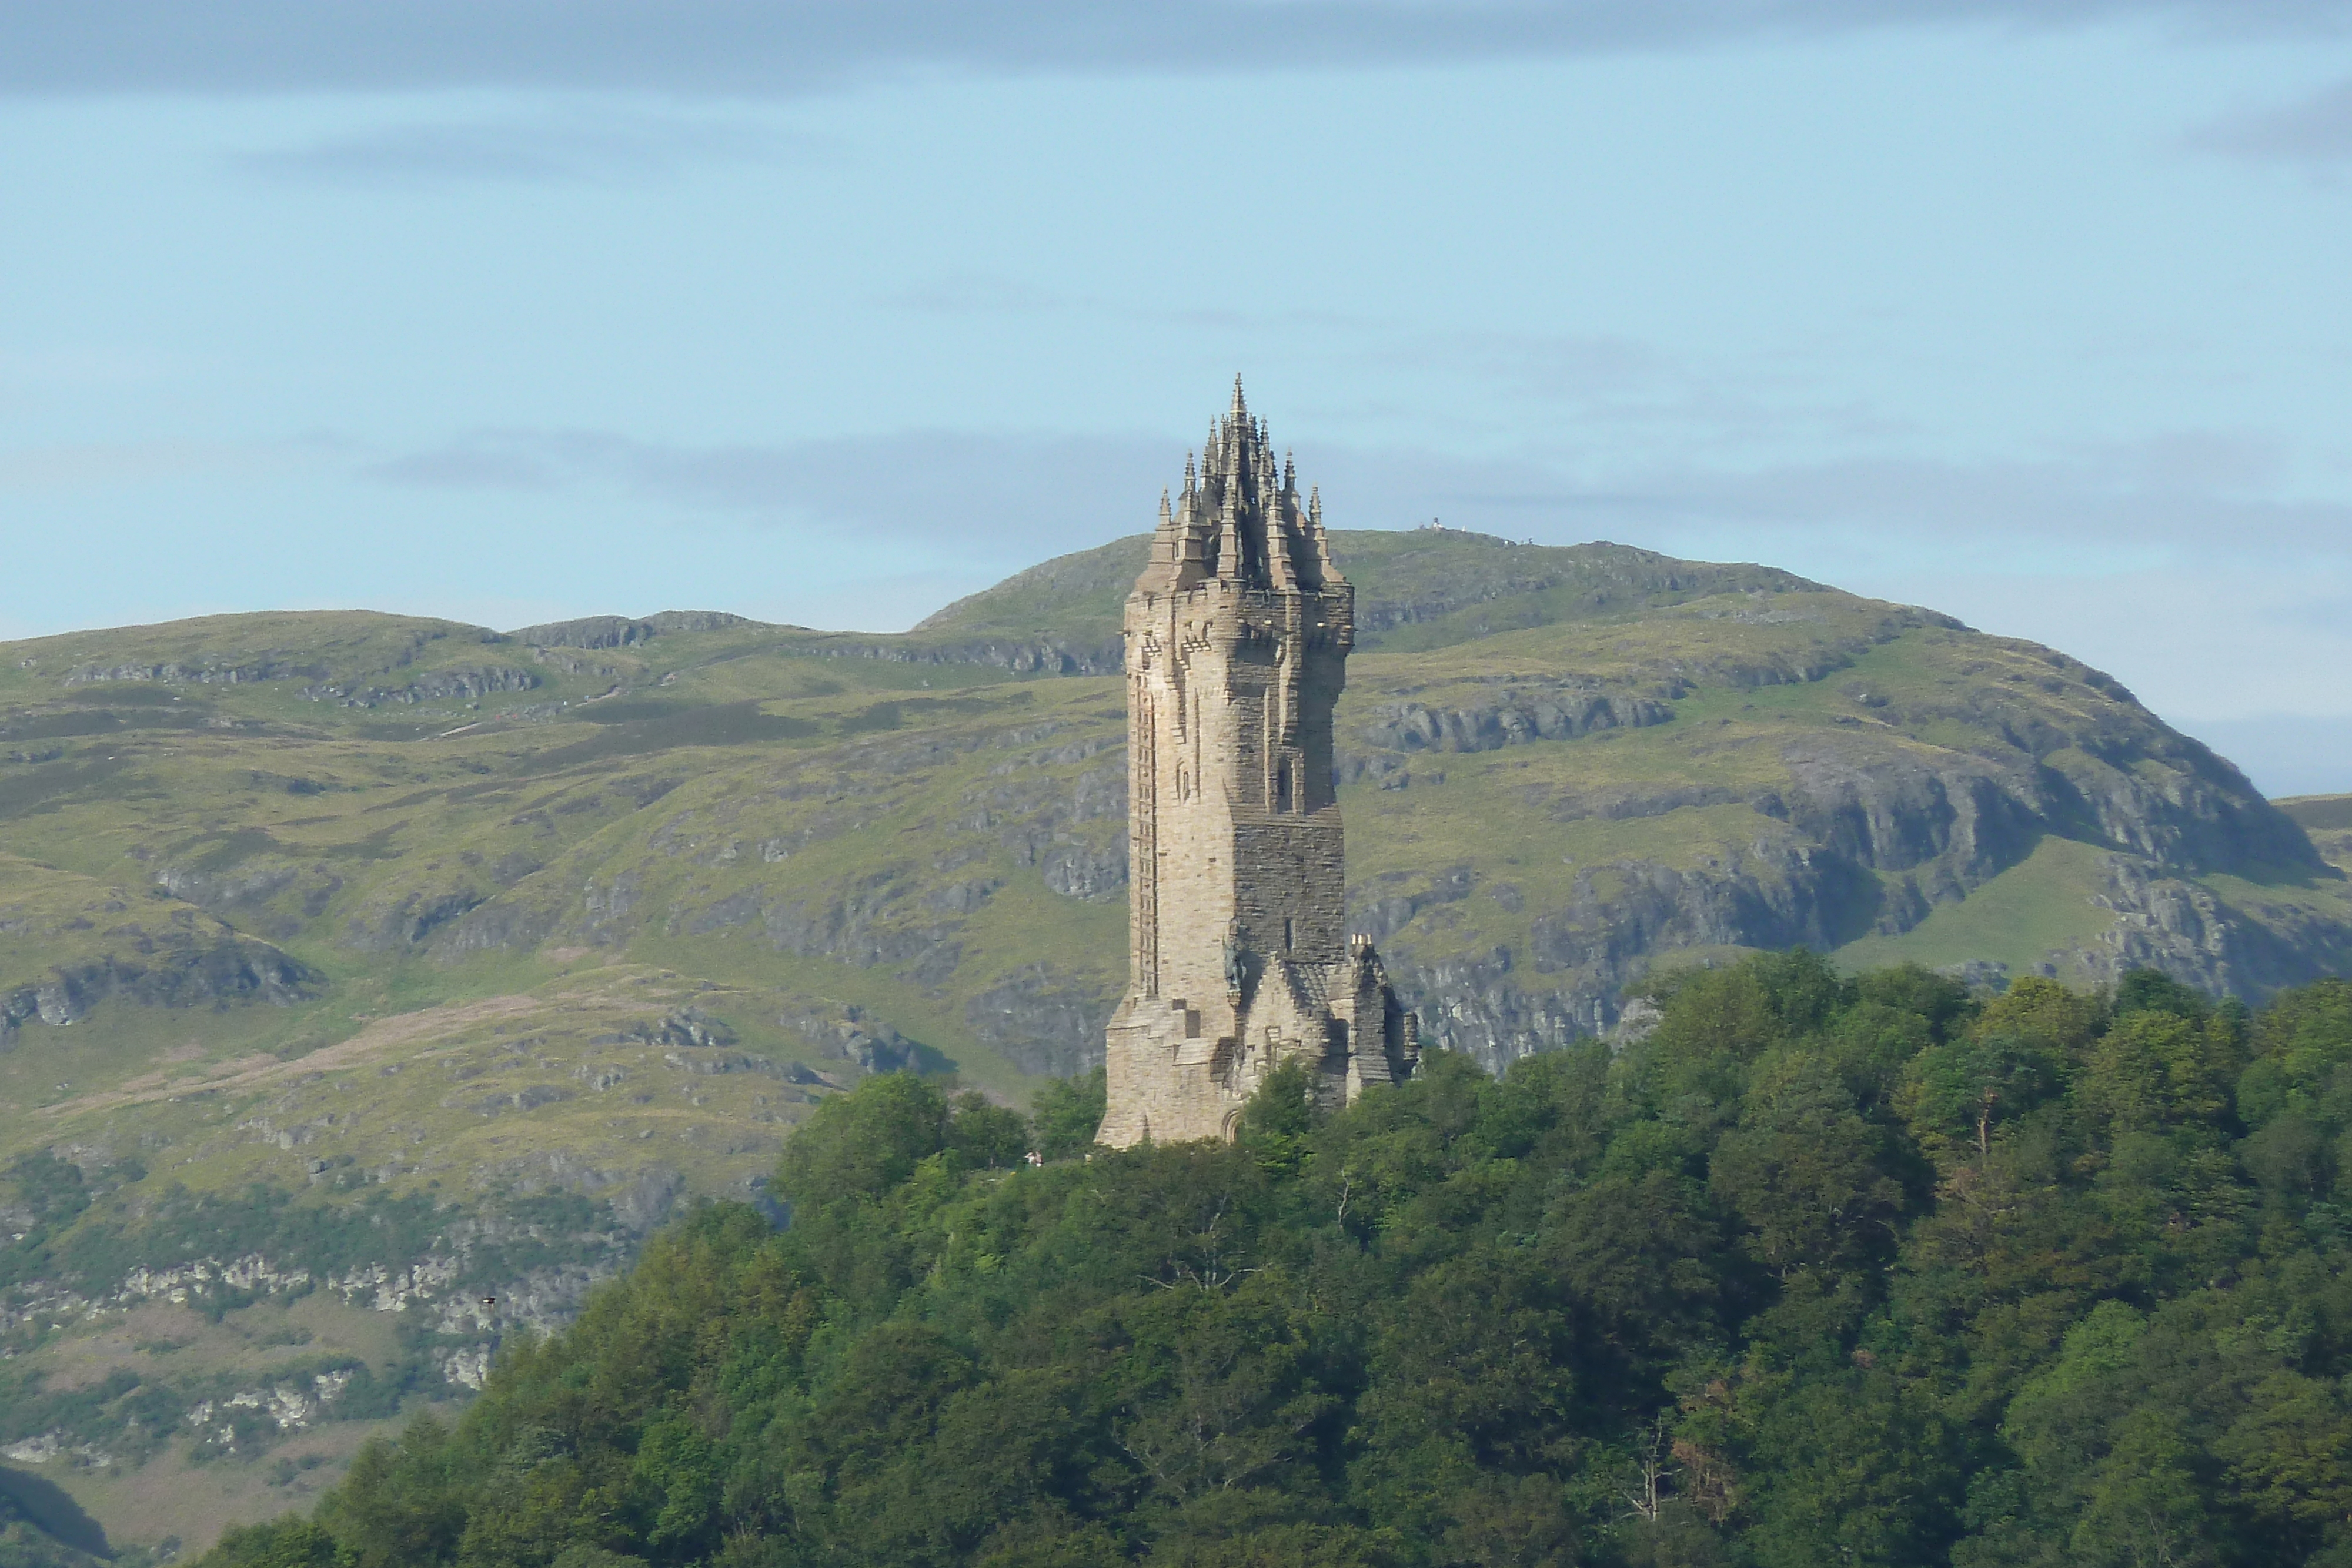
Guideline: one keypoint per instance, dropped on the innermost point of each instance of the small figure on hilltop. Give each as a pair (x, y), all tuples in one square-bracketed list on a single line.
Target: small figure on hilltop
[(1237, 639)]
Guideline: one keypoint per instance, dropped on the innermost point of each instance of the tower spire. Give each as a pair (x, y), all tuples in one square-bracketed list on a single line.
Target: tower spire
[(1229, 529), (1315, 534)]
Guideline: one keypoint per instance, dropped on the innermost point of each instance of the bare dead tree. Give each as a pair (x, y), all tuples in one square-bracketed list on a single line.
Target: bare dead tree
[(1652, 1459)]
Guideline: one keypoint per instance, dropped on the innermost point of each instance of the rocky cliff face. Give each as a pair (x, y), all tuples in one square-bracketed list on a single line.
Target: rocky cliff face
[(175, 972), (440, 686), (1910, 786)]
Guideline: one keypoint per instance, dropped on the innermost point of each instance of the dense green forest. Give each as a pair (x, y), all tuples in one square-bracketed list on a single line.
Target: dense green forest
[(1820, 1271)]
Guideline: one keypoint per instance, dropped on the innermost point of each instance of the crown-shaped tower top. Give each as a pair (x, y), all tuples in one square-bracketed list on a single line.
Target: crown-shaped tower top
[(1240, 518)]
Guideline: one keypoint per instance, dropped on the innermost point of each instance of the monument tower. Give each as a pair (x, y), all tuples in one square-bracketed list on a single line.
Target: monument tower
[(1239, 958)]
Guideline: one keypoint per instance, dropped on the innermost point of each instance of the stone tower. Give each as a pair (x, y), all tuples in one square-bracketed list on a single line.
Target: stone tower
[(1237, 639)]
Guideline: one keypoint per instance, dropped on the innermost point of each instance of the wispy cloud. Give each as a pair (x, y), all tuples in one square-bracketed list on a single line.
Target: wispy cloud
[(2171, 561), (2110, 508), (474, 463), (578, 144), (1031, 495), (2316, 129), (738, 47), (2087, 512)]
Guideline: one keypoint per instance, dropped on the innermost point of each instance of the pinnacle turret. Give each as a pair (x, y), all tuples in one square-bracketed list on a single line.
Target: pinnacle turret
[(1239, 515)]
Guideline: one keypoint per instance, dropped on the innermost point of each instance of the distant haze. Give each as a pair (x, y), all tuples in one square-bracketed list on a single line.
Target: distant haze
[(2284, 755)]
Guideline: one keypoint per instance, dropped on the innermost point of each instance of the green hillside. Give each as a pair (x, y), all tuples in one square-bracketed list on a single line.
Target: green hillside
[(2327, 819), (368, 985)]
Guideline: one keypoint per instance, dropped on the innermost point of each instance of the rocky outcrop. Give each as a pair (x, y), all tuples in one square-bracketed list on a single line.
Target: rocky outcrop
[(844, 1032), (640, 1197), (1474, 1004), (270, 897), (589, 632), (594, 632), (1860, 841), (1513, 716), (871, 922), (2248, 948), (1870, 827), (1036, 655), (202, 672), (456, 925), (1073, 832), (1042, 1019), (1500, 1001), (1896, 808), (173, 970), (415, 918), (438, 685)]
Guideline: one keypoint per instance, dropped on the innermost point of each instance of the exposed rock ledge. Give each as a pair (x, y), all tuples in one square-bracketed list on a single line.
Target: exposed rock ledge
[(228, 971)]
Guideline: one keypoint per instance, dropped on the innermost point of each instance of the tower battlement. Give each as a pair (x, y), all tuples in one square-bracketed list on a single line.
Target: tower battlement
[(1237, 639)]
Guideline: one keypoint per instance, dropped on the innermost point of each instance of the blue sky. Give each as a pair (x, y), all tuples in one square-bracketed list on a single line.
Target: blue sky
[(503, 311)]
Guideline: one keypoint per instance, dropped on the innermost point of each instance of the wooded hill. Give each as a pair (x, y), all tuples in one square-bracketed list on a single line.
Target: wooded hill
[(1818, 1270), (371, 985)]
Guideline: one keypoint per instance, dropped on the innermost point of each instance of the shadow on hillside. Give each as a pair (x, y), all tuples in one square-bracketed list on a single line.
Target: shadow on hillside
[(51, 1510)]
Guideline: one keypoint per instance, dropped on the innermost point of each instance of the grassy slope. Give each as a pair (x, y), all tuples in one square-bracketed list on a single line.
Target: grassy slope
[(512, 904), (2328, 819), (178, 1494), (2045, 904)]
